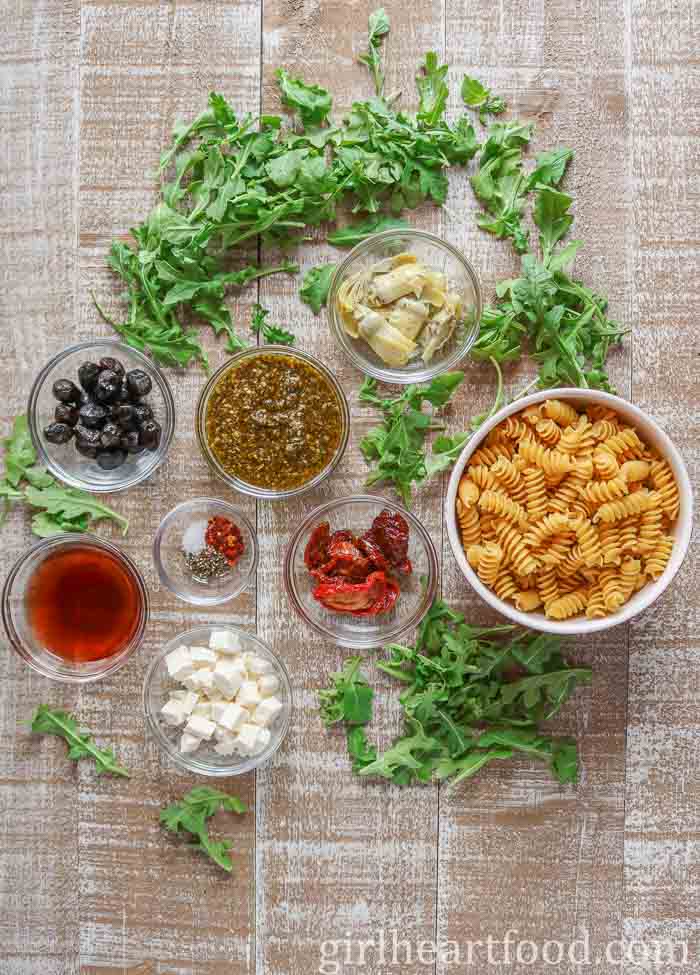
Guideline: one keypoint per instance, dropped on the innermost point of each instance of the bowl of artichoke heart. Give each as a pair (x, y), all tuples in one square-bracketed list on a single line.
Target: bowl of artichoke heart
[(272, 422), (404, 306)]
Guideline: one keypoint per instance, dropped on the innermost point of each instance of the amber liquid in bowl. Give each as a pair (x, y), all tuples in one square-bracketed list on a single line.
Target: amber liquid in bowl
[(82, 604)]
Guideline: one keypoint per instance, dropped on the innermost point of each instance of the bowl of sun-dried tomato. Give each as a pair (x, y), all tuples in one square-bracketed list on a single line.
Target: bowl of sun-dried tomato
[(361, 571)]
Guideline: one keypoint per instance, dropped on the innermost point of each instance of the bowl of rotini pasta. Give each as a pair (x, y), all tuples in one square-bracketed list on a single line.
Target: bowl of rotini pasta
[(569, 511)]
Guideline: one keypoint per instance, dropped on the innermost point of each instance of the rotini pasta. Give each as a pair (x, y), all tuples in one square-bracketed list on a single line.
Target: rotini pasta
[(567, 512)]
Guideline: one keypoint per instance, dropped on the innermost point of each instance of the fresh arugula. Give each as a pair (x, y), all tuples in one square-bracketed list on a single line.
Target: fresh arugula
[(397, 447), (312, 102), (378, 29), (477, 96), (470, 696), (190, 816), (61, 509), (355, 233), (270, 333), (48, 721), (315, 286), (349, 698)]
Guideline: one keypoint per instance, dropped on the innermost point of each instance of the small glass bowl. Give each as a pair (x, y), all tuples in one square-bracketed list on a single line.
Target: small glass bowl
[(158, 686), (63, 460), (362, 633), (203, 406), (170, 563), (18, 628), (435, 253)]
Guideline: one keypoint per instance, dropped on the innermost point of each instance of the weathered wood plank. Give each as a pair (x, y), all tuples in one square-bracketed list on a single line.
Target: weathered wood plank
[(516, 850), (38, 271), (145, 899), (662, 855), (336, 859)]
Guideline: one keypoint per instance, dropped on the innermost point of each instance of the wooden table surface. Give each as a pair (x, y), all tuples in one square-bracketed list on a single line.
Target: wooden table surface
[(89, 882)]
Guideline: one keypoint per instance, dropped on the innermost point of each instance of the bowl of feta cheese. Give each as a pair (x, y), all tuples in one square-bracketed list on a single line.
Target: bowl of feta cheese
[(217, 700)]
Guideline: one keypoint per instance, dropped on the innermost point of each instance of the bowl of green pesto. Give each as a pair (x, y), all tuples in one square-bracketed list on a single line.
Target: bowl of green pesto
[(272, 422)]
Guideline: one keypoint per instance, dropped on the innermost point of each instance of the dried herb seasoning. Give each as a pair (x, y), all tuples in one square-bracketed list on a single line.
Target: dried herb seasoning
[(274, 421)]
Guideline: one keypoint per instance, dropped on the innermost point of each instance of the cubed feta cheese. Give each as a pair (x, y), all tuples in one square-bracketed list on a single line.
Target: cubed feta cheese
[(203, 657), (200, 680), (203, 709), (247, 738), (179, 663), (267, 684), (257, 665), (223, 641), (217, 709), (228, 676), (172, 712), (189, 701), (226, 744), (248, 695), (266, 712), (233, 717), (200, 727), (177, 695), (189, 743)]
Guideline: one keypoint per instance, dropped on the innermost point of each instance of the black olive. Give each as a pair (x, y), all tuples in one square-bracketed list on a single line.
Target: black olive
[(111, 435), (108, 460), (139, 383), (150, 434), (126, 418), (114, 365), (66, 391), (58, 433), (142, 413), (66, 413), (123, 396), (87, 442), (107, 386), (87, 375), (92, 415), (130, 442)]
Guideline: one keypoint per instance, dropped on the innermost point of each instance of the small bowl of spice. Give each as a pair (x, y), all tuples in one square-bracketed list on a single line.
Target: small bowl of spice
[(273, 422), (205, 551)]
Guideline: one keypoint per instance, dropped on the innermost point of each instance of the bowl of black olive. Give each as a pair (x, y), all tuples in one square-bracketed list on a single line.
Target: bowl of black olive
[(101, 416)]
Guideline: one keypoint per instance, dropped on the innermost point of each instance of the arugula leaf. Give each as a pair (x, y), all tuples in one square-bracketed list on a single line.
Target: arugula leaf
[(311, 101), (349, 698), (48, 721), (552, 217), (315, 286), (359, 749), (397, 447), (270, 333), (354, 233), (432, 90), (71, 504), (190, 815), (378, 28), (19, 451), (478, 96), (550, 167)]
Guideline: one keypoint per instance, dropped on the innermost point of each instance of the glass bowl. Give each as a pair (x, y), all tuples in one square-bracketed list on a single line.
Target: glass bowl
[(158, 685), (18, 628), (435, 253), (63, 460), (203, 406), (417, 590), (170, 563)]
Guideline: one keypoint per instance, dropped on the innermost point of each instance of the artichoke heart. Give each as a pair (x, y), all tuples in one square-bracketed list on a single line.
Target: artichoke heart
[(435, 290), (408, 315), (440, 327), (404, 280), (390, 345)]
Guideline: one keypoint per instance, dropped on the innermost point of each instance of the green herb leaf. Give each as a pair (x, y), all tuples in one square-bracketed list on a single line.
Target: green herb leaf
[(359, 749), (19, 451), (311, 101), (478, 96), (272, 334), (190, 815), (349, 698), (315, 286), (72, 504), (378, 28), (57, 722), (355, 233), (432, 90)]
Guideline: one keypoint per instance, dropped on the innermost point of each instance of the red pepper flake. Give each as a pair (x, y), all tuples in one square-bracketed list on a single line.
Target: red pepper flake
[(225, 537)]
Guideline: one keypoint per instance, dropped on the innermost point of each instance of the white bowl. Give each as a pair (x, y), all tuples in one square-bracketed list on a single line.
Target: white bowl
[(650, 432)]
